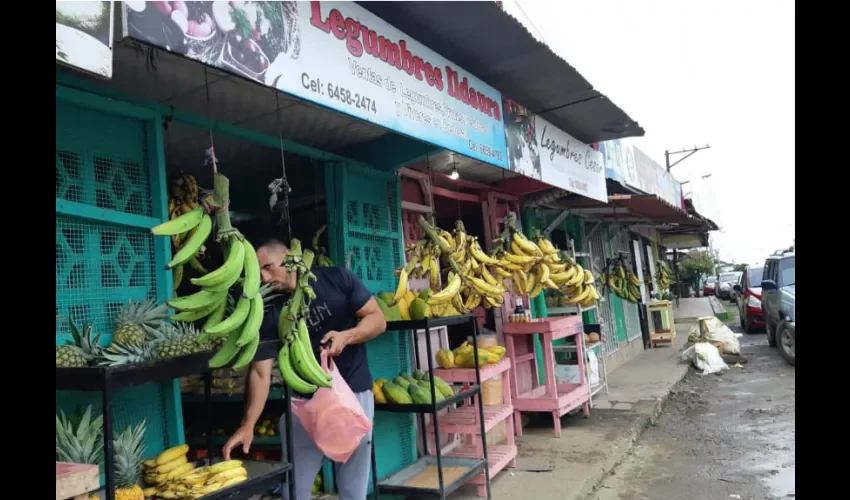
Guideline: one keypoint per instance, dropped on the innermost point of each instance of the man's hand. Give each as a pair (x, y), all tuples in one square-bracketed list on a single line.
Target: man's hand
[(243, 436), (337, 342)]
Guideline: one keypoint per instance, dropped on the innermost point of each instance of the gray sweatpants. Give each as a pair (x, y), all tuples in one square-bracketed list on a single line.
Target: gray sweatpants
[(352, 477)]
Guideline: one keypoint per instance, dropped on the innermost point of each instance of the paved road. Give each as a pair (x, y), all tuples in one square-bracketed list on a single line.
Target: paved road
[(728, 436)]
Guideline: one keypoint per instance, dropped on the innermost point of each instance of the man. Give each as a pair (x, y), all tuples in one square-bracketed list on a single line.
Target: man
[(343, 317)]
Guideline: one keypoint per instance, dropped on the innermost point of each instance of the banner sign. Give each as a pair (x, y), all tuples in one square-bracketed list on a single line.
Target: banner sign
[(619, 161), (84, 36), (339, 55), (652, 178), (539, 150)]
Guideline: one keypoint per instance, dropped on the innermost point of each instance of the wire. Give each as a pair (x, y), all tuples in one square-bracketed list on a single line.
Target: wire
[(283, 184)]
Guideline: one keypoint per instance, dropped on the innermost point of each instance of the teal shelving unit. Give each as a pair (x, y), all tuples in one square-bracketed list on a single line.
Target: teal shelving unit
[(110, 190)]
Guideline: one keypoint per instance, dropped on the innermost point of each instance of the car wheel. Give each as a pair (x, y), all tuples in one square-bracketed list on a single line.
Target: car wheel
[(786, 341), (741, 316), (771, 334)]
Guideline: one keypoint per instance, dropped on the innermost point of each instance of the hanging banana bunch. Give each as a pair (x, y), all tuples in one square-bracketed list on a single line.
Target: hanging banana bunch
[(183, 198), (471, 277), (321, 252), (622, 281), (663, 276)]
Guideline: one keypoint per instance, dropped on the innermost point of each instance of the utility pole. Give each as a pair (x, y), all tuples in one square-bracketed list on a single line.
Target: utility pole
[(682, 151), (687, 153)]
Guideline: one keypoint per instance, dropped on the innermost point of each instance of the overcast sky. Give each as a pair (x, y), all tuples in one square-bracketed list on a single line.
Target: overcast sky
[(693, 73)]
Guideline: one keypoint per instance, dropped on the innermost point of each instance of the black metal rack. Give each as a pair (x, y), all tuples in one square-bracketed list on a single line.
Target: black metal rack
[(109, 379), (395, 484)]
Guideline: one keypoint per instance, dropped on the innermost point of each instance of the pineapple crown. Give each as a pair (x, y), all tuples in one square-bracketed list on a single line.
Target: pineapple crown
[(129, 448), (172, 331), (144, 312), (83, 339), (126, 354), (82, 445)]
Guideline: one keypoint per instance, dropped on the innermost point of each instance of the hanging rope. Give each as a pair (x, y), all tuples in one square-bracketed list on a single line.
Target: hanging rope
[(281, 185), (209, 157)]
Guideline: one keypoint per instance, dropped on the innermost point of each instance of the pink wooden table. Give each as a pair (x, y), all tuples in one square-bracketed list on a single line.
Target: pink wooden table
[(529, 395)]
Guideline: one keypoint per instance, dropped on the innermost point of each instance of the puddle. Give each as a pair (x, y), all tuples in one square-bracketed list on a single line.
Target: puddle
[(782, 483)]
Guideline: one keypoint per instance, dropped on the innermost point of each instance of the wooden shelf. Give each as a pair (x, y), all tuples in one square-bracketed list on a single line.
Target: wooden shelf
[(464, 420), (467, 375)]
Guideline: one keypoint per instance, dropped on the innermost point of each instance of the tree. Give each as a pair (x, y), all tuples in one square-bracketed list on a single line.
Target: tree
[(740, 267), (694, 265)]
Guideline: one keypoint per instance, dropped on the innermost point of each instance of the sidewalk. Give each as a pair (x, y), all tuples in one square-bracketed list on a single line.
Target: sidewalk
[(590, 448)]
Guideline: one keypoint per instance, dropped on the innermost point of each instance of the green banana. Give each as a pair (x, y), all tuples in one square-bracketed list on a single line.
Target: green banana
[(318, 235), (252, 323), (300, 359), (232, 322), (291, 378), (177, 278), (316, 374), (229, 272), (196, 314), (194, 243), (286, 321), (251, 269), (203, 299), (196, 265), (227, 352), (213, 319), (247, 354), (180, 224)]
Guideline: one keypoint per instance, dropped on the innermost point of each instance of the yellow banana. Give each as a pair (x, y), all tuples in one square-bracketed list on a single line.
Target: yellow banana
[(585, 292), (434, 274), (228, 474), (634, 279), (527, 245), (485, 288), (171, 453), (473, 301), (170, 466), (516, 250), (546, 246), (479, 255), (501, 272), (402, 287), (588, 277), (520, 259), (448, 239), (530, 282), (445, 295), (538, 287), (223, 466), (578, 277), (556, 268), (543, 272), (520, 284), (488, 277)]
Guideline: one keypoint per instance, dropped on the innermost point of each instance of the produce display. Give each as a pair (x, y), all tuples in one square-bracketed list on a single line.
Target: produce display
[(473, 277), (79, 438), (128, 449), (663, 275), (622, 281), (172, 475), (412, 388), (183, 196), (464, 357)]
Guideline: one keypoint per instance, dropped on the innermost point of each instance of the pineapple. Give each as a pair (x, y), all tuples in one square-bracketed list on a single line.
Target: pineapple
[(133, 319), (176, 339), (82, 445), (81, 350), (129, 448)]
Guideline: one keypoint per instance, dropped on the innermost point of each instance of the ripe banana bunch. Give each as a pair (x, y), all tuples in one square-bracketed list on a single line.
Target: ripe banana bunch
[(183, 192), (238, 274), (663, 276), (196, 482), (622, 281), (322, 252), (296, 360)]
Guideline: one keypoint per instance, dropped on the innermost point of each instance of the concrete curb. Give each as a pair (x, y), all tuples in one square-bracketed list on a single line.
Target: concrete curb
[(638, 428)]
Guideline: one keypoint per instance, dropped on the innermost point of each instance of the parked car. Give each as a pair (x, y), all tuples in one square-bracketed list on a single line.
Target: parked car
[(733, 293), (708, 286), (748, 298), (724, 284), (778, 301)]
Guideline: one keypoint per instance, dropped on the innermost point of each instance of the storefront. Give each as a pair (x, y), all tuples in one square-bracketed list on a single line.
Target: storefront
[(282, 98)]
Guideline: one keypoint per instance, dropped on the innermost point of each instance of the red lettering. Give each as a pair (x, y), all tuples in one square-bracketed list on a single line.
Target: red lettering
[(463, 91), (316, 17), (473, 98), (337, 24), (438, 79), (352, 42), (452, 77), (389, 52), (419, 66), (497, 111), (407, 63), (370, 40)]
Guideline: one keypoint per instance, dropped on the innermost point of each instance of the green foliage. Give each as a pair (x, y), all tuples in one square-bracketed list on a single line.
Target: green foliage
[(694, 265), (739, 267)]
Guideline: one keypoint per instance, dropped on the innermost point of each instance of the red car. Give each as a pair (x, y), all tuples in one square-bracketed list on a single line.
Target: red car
[(709, 286), (749, 299)]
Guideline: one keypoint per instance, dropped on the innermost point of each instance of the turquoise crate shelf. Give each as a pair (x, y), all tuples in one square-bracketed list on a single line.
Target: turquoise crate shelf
[(364, 222), (110, 190)]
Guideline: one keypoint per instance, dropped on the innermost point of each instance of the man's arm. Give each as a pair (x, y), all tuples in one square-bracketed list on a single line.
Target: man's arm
[(257, 392), (372, 324)]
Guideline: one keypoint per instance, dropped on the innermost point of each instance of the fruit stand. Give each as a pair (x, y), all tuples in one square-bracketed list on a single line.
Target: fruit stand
[(431, 475), (109, 379)]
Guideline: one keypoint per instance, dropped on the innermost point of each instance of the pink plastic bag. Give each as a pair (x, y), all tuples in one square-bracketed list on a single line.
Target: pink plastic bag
[(334, 418)]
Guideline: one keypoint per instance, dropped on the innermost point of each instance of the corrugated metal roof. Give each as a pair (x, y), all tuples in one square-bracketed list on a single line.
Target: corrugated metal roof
[(494, 46)]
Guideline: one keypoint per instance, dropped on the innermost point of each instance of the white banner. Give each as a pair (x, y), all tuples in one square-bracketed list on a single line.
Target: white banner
[(567, 163)]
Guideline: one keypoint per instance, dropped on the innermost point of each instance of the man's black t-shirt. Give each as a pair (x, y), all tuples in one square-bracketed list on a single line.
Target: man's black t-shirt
[(339, 295)]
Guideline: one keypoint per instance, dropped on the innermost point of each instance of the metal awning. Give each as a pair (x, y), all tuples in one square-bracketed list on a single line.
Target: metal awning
[(634, 209), (494, 46)]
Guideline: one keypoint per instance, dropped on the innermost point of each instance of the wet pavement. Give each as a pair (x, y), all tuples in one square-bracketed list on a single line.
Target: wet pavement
[(727, 436)]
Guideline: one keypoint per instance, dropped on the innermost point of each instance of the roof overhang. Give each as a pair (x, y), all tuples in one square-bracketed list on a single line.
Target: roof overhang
[(513, 62), (646, 209)]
